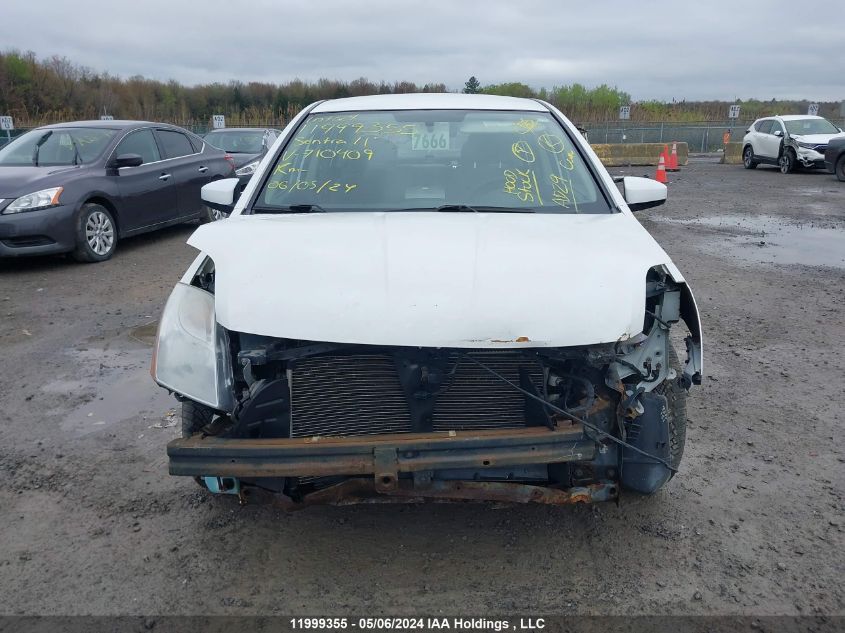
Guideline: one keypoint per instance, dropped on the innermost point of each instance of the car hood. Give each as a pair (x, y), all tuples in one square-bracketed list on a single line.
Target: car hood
[(19, 181), (817, 138), (432, 279)]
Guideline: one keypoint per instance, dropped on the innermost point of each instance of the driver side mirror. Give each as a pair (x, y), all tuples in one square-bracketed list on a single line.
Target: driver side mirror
[(643, 193), (128, 160), (778, 133), (221, 194)]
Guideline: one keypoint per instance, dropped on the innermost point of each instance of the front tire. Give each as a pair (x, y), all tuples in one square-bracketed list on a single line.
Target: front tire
[(840, 169), (787, 162), (676, 411), (195, 417), (96, 234), (748, 158)]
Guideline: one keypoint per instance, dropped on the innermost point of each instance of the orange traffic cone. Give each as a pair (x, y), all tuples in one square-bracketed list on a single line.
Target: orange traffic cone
[(672, 163), (660, 176)]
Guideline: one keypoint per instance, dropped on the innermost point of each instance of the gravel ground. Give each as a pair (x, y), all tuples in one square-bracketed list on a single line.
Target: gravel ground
[(753, 524)]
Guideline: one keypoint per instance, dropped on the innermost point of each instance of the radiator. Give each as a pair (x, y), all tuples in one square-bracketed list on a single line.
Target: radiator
[(360, 394)]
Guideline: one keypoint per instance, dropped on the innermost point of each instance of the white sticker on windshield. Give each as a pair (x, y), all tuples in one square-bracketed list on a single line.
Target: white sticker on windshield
[(428, 138)]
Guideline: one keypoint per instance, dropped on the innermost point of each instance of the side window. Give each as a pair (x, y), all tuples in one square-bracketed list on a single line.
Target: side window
[(140, 142), (776, 125), (764, 126), (196, 143), (175, 144)]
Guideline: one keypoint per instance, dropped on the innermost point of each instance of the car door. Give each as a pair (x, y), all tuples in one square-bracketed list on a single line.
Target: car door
[(147, 192), (768, 143), (189, 167)]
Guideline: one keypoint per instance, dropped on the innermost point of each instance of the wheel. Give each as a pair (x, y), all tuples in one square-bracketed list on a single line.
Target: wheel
[(840, 168), (787, 162), (212, 215), (676, 411), (96, 234), (195, 417), (748, 158)]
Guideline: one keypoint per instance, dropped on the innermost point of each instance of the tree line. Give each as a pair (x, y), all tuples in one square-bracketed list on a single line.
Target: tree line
[(36, 91)]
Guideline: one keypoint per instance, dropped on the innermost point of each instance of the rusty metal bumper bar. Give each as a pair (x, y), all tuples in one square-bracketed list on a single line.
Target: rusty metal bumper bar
[(382, 456), (358, 490)]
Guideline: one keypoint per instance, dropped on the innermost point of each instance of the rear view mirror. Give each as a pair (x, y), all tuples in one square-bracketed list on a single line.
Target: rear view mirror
[(643, 193), (128, 160), (220, 194)]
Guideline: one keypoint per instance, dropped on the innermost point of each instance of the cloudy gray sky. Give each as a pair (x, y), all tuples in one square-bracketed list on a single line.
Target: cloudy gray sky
[(661, 50)]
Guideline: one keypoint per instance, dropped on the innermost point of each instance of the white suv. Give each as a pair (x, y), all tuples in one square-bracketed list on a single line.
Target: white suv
[(787, 141)]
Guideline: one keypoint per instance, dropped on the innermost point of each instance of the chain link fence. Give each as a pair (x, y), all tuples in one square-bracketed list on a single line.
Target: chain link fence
[(701, 137)]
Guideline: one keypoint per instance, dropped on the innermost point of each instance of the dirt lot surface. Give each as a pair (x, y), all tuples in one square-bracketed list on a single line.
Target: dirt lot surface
[(91, 523)]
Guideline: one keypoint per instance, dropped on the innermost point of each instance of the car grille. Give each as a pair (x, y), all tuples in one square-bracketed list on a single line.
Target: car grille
[(360, 394)]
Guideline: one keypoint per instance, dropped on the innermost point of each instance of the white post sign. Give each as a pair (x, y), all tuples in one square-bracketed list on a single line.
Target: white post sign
[(218, 121), (733, 112), (624, 113), (106, 117), (813, 109), (6, 123)]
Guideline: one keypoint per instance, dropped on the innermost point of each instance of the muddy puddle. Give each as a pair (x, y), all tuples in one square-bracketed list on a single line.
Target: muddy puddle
[(766, 239), (119, 386)]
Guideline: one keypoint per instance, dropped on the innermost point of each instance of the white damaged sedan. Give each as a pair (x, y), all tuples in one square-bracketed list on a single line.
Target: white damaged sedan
[(429, 297)]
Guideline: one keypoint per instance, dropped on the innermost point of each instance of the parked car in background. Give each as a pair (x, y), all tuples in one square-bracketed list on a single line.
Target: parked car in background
[(80, 187), (436, 296), (834, 158), (788, 141), (246, 145)]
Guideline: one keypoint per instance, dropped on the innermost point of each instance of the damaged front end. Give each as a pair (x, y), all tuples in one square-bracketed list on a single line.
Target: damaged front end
[(304, 422)]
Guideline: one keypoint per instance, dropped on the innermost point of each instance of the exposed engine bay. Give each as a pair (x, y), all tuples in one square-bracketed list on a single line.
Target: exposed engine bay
[(618, 394)]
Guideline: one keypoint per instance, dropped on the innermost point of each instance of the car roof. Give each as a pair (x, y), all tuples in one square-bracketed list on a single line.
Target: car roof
[(796, 117), (109, 125), (430, 101), (241, 129)]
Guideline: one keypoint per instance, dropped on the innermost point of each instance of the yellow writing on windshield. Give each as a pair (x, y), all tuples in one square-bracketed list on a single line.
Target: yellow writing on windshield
[(522, 150), (524, 126), (523, 184), (312, 185), (551, 143), (563, 193)]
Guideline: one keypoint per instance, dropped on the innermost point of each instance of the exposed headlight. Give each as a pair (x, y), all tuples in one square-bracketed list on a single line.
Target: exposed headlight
[(33, 201), (248, 169), (191, 355)]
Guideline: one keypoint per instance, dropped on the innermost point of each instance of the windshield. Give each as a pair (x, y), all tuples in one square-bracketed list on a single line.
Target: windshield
[(797, 127), (60, 146), (249, 142), (457, 160)]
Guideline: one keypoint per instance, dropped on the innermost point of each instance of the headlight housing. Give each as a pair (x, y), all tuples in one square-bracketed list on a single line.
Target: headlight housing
[(43, 199), (248, 169), (807, 145), (191, 356)]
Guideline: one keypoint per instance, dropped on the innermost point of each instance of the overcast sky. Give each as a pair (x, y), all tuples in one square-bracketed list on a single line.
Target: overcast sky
[(661, 50)]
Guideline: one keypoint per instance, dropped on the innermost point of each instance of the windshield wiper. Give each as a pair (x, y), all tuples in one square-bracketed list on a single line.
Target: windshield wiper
[(38, 145), (456, 208), (466, 207), (293, 208)]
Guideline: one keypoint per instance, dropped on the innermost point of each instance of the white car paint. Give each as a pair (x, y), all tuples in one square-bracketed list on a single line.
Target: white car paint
[(766, 145), (432, 279)]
